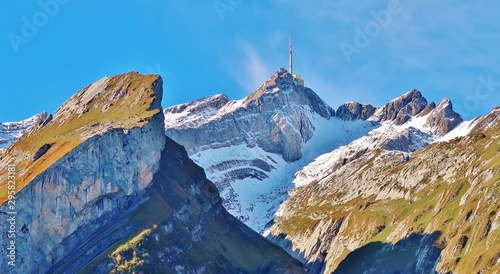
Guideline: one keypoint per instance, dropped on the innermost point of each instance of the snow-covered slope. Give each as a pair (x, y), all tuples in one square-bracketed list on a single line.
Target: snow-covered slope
[(11, 131), (254, 183)]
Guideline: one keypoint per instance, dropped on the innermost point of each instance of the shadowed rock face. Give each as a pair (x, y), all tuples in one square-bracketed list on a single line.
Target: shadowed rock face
[(414, 254), (195, 234), (113, 193), (355, 111), (275, 117)]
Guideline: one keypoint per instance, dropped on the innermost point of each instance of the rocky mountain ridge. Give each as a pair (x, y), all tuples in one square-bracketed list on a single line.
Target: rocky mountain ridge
[(348, 189), (251, 147), (101, 189), (228, 137), (279, 111), (355, 111)]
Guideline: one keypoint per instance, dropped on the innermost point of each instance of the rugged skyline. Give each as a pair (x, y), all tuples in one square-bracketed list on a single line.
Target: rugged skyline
[(101, 188), (345, 51)]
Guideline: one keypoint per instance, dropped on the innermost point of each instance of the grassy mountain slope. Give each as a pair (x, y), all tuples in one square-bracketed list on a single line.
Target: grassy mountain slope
[(450, 188), (80, 119)]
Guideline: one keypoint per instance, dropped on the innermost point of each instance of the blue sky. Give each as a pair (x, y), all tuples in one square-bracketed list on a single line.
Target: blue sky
[(345, 51)]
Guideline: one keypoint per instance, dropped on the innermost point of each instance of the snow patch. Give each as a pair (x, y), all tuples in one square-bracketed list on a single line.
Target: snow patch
[(461, 130)]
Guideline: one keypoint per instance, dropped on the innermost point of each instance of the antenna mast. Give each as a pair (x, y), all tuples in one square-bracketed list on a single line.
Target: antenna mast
[(291, 56), (297, 78)]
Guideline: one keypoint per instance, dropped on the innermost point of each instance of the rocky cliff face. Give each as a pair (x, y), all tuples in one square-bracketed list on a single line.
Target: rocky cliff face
[(487, 122), (101, 189), (443, 119), (435, 207)]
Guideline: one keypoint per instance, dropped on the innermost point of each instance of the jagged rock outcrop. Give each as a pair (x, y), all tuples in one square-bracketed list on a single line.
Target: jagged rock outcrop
[(275, 117), (355, 111), (430, 107), (443, 119), (419, 131), (401, 109), (111, 193)]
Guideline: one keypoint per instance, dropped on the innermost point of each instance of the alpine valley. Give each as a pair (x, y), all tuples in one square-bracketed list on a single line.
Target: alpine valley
[(114, 183)]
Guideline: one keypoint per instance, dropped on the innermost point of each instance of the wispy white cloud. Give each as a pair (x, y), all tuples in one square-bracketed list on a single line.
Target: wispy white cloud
[(277, 40), (255, 69)]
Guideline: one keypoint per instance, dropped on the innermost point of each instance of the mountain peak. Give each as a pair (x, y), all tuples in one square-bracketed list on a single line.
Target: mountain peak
[(104, 94), (194, 113), (414, 93), (443, 119), (215, 101), (445, 101), (283, 89), (280, 81), (402, 108), (277, 117)]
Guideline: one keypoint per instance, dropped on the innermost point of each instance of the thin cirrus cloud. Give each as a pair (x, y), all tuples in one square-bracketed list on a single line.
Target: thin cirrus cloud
[(255, 68)]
